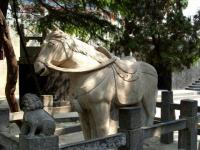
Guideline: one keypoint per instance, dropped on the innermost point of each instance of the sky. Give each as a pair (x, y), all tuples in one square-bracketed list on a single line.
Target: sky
[(193, 7)]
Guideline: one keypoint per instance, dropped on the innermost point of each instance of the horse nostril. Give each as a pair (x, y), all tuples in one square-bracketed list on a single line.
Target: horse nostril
[(41, 71)]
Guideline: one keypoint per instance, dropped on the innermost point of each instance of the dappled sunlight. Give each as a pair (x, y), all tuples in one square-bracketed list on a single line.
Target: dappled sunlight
[(97, 82)]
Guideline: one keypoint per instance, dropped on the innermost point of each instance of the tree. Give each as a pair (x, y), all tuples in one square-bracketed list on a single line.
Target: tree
[(162, 36), (154, 31), (12, 67)]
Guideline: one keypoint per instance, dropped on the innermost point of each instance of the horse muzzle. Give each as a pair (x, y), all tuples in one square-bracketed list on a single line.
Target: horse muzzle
[(40, 68)]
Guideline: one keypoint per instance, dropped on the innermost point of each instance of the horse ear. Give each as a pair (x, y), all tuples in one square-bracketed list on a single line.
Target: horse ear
[(48, 31), (55, 28)]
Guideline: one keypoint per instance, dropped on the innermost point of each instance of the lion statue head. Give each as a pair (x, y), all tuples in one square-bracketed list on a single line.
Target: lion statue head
[(31, 102)]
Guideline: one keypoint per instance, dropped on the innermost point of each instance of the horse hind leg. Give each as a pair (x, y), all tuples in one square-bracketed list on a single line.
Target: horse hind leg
[(149, 106), (101, 116), (114, 117)]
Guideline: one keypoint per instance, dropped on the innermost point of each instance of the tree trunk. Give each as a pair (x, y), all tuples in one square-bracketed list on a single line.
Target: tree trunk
[(12, 66), (164, 70), (164, 77), (3, 7)]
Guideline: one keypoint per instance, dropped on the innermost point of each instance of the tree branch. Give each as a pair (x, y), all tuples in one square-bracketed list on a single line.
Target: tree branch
[(82, 16), (12, 66)]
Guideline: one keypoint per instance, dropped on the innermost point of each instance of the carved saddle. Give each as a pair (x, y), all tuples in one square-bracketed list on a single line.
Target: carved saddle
[(129, 80)]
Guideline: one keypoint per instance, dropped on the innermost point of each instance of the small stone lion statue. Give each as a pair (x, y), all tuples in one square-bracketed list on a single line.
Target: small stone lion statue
[(36, 121)]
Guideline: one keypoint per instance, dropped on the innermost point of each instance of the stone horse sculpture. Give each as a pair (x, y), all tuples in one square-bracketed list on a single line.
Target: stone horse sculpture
[(99, 82)]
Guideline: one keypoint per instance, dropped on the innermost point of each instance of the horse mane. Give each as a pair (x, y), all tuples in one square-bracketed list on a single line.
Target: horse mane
[(71, 42)]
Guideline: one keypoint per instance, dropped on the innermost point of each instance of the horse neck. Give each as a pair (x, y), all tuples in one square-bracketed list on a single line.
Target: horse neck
[(83, 60), (84, 55), (89, 52), (78, 60)]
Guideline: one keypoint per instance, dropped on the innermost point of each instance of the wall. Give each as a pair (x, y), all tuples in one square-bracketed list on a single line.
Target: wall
[(184, 78)]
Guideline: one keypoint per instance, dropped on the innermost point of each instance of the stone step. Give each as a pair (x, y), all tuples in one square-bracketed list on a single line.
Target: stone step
[(193, 89), (177, 99), (198, 81), (194, 86), (179, 92)]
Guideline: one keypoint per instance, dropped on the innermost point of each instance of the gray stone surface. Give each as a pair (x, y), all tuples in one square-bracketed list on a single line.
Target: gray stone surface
[(188, 137), (130, 122), (167, 114), (107, 143), (38, 143)]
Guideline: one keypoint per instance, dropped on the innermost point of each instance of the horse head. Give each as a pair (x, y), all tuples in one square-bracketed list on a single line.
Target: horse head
[(62, 52), (55, 50)]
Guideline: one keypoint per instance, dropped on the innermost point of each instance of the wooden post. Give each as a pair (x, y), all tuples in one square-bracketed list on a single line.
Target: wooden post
[(167, 114), (4, 119), (188, 137), (130, 122), (38, 143)]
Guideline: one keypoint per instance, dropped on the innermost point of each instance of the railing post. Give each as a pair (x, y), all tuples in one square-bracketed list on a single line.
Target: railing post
[(130, 122), (188, 137), (4, 122), (38, 143), (199, 146), (4, 119), (167, 114)]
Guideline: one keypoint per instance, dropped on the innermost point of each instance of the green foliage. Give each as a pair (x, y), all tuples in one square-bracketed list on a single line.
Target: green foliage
[(159, 33), (155, 31)]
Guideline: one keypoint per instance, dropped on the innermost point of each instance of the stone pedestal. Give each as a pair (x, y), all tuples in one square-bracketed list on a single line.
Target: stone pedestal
[(38, 143)]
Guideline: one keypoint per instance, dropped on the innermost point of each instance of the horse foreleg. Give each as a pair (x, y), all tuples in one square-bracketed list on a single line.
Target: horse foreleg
[(85, 125), (101, 115)]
